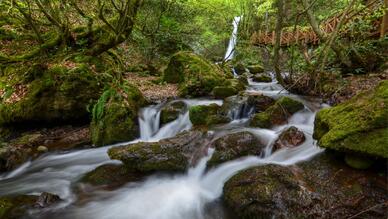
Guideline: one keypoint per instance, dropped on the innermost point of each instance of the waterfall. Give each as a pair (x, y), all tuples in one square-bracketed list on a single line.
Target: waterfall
[(233, 39)]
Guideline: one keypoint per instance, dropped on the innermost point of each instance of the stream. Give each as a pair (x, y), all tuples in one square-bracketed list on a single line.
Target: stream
[(191, 195)]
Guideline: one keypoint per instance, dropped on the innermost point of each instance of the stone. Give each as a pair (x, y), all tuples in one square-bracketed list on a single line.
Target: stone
[(289, 138), (171, 111), (255, 69)]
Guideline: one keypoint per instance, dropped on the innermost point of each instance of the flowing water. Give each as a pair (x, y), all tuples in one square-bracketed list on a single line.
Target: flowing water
[(192, 195), (186, 196)]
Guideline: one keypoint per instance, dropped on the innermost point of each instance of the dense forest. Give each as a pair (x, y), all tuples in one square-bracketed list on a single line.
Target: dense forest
[(193, 109)]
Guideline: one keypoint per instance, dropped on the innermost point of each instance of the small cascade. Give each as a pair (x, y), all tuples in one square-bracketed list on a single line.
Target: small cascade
[(233, 39)]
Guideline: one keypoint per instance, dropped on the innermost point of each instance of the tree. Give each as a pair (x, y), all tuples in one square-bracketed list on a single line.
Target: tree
[(278, 32)]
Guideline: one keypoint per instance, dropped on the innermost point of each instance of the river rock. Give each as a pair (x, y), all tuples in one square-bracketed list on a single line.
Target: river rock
[(48, 95), (358, 126), (231, 87), (110, 176), (260, 102), (171, 111), (115, 116), (320, 188), (172, 154), (47, 199), (13, 207), (262, 78), (255, 69), (277, 114), (235, 145), (207, 115), (195, 75), (239, 68), (291, 137)]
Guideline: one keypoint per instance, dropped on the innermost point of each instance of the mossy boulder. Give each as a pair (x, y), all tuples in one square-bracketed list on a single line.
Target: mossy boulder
[(171, 111), (231, 87), (196, 75), (49, 96), (358, 126), (235, 145), (13, 207), (239, 68), (110, 175), (262, 78), (255, 69), (277, 114), (320, 188), (172, 154), (207, 115), (260, 102), (115, 116)]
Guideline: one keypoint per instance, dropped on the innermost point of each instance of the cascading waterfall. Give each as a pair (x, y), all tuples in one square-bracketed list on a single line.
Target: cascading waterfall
[(233, 39)]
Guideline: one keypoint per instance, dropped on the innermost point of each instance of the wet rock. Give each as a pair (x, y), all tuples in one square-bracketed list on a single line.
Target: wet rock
[(239, 68), (47, 199), (255, 69), (115, 116), (207, 115), (195, 75), (262, 78), (236, 106), (235, 145), (13, 207), (110, 176), (42, 149), (171, 111), (260, 102), (291, 137), (277, 114), (31, 144), (358, 126), (320, 188), (231, 87), (172, 154)]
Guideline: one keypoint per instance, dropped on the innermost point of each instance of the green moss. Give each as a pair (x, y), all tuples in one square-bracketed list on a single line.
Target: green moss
[(114, 116), (196, 76), (53, 95), (224, 92), (262, 78), (171, 111), (276, 114), (359, 124), (206, 115), (254, 69)]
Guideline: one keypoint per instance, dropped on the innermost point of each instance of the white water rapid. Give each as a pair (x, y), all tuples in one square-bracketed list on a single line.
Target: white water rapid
[(159, 196)]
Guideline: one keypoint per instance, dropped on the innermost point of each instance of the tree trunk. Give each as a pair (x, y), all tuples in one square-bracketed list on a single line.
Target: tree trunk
[(336, 47), (384, 23), (278, 33)]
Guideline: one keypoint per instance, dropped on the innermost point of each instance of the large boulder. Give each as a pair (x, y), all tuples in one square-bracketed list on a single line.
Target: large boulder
[(48, 95), (173, 154), (277, 114), (320, 188), (358, 126), (115, 116), (231, 87), (255, 69), (171, 111), (260, 102), (207, 115), (289, 138), (235, 145), (262, 78), (196, 76)]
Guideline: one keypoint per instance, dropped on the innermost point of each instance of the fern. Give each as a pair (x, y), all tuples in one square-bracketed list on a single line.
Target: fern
[(98, 109)]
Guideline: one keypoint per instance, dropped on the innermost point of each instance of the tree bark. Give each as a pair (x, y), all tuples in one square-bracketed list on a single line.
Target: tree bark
[(336, 47), (278, 35), (384, 23)]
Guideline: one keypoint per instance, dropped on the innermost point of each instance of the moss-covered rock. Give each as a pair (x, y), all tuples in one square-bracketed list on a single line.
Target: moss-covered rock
[(260, 102), (358, 126), (207, 115), (320, 188), (115, 116), (171, 111), (239, 68), (49, 96), (235, 145), (196, 76), (229, 88), (16, 206), (111, 175), (255, 69), (262, 78), (277, 114), (172, 154)]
